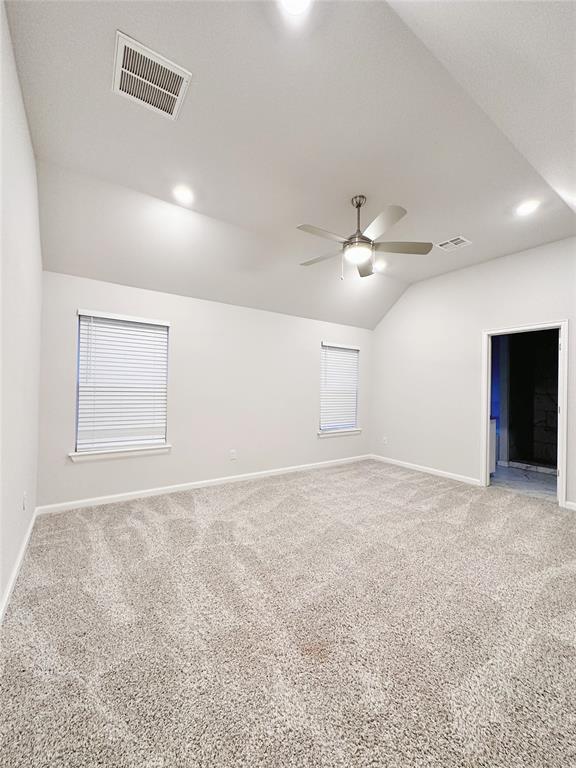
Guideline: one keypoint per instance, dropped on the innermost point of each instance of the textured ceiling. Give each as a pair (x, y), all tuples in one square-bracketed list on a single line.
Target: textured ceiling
[(281, 126)]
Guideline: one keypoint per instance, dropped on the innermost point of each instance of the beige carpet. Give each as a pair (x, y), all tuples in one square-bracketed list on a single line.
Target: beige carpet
[(362, 615)]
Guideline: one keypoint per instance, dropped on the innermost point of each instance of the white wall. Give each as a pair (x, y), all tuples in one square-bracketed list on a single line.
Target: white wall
[(428, 355), (20, 316), (239, 378)]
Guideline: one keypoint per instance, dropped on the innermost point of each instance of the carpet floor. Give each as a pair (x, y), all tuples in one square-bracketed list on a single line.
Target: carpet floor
[(361, 615)]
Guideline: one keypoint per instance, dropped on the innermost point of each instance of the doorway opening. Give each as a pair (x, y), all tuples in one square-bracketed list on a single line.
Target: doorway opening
[(524, 414)]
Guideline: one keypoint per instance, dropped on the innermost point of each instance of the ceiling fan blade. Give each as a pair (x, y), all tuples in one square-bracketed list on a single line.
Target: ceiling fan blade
[(404, 247), (390, 215), (366, 269), (321, 233), (318, 259)]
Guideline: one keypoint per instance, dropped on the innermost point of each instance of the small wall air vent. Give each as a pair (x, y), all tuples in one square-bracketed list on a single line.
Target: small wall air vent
[(148, 78), (453, 243)]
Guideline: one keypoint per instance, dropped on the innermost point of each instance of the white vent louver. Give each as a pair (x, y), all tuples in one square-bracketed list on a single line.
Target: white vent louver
[(454, 243), (148, 78)]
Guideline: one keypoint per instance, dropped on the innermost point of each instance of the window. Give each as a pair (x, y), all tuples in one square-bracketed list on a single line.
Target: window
[(338, 388), (122, 383)]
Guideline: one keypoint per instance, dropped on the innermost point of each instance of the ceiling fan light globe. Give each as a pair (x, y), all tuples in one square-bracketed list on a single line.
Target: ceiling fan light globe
[(358, 253)]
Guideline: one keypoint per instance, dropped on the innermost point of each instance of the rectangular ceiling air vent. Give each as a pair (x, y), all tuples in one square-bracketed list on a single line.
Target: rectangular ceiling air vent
[(453, 243), (148, 78)]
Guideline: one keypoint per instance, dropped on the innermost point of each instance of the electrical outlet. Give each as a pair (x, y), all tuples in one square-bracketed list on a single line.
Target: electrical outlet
[(384, 440), (233, 455)]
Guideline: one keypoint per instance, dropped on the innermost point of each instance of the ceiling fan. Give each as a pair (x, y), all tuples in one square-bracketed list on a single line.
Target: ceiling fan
[(359, 248)]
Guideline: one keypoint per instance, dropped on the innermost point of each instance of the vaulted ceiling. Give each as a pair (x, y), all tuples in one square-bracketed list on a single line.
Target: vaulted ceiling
[(518, 61), (433, 106)]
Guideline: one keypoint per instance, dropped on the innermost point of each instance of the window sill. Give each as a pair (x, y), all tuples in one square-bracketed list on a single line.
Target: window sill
[(339, 432), (119, 453)]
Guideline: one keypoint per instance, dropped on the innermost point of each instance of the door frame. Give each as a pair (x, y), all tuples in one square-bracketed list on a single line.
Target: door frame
[(562, 327)]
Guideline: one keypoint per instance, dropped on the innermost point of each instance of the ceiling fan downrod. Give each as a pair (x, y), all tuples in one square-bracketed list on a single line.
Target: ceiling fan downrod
[(358, 201)]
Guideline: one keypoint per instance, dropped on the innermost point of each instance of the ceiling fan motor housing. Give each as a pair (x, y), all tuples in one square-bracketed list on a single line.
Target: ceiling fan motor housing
[(356, 239)]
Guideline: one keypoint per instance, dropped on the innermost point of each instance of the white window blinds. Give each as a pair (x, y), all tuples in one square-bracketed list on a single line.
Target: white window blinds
[(338, 388), (122, 383)]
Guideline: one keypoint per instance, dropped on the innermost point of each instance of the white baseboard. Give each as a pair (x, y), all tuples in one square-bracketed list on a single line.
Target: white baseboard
[(449, 475), (428, 470), (5, 598), (113, 498)]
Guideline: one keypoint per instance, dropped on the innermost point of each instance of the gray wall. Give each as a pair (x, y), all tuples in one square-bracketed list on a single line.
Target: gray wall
[(239, 378), (247, 379), (428, 355), (20, 313)]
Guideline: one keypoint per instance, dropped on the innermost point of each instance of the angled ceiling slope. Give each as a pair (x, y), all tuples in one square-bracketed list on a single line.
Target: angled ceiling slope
[(281, 125), (91, 228), (518, 61)]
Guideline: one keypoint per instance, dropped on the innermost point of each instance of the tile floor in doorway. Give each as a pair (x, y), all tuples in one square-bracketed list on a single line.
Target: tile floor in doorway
[(542, 485)]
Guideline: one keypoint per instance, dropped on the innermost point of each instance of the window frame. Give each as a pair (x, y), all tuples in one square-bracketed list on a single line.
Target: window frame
[(357, 429), (125, 450)]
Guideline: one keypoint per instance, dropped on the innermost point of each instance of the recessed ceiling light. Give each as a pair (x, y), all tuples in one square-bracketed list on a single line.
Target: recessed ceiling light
[(379, 266), (183, 194), (295, 7), (527, 207)]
